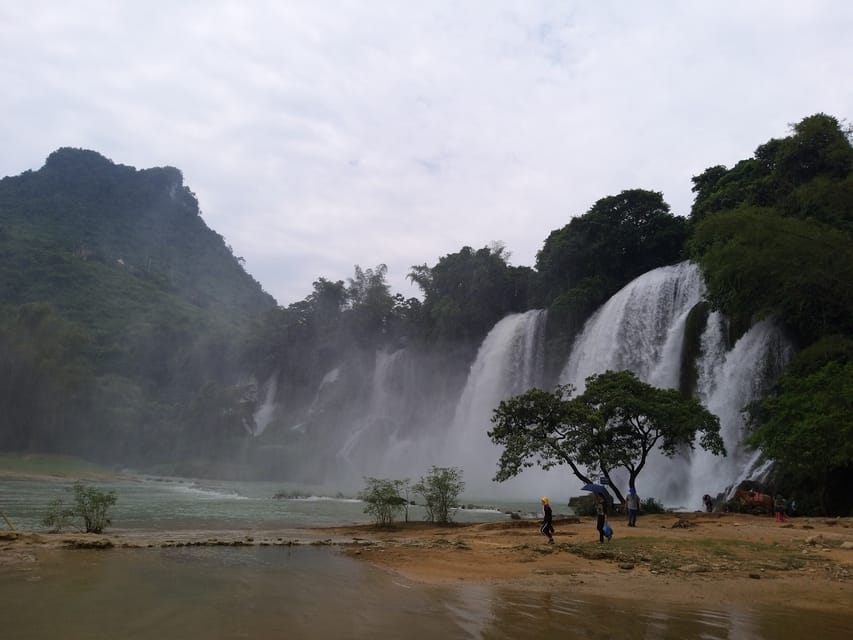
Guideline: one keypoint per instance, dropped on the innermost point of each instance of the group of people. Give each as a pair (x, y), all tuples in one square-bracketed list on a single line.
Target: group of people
[(605, 531)]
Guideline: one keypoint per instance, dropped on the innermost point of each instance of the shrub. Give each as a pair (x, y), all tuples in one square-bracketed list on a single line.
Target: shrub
[(90, 505), (383, 500), (650, 505), (440, 490)]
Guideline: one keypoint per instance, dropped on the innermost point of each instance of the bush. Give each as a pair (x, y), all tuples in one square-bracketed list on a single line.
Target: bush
[(90, 504), (650, 505), (440, 490), (383, 500)]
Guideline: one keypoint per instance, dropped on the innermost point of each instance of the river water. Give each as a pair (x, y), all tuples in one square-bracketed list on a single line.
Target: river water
[(310, 592)]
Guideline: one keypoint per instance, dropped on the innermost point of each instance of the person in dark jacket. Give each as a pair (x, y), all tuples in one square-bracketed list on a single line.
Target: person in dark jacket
[(547, 528), (601, 515)]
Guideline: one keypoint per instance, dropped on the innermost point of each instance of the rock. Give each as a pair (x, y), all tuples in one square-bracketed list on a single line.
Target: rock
[(846, 545), (755, 576), (814, 540), (691, 568), (626, 565)]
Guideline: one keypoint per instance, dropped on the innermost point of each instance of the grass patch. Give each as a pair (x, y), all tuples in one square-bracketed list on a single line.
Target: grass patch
[(50, 465)]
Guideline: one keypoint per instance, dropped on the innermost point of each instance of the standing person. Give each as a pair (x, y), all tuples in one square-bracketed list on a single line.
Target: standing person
[(633, 504), (601, 515), (547, 528), (779, 506)]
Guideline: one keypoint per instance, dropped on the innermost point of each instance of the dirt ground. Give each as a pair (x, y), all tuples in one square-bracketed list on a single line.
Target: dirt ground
[(694, 559), (713, 560)]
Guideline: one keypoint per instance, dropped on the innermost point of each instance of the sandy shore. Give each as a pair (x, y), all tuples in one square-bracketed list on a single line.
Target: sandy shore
[(696, 559), (711, 560)]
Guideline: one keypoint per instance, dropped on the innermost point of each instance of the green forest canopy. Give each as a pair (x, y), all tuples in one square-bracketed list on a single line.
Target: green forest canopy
[(121, 309)]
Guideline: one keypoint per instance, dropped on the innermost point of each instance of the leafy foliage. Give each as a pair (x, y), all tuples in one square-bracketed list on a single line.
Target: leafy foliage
[(440, 489), (759, 263), (90, 505), (467, 292), (774, 237), (615, 424), (806, 423), (383, 500), (620, 237), (119, 304)]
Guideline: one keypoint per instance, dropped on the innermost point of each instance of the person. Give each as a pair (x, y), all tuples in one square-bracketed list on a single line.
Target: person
[(792, 507), (601, 515), (779, 506), (632, 502), (547, 528), (708, 501)]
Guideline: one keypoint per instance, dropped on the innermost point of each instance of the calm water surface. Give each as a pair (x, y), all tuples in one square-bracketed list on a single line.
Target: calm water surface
[(206, 593)]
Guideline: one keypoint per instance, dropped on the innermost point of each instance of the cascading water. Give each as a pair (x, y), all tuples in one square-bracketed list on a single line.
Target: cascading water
[(382, 440), (265, 413), (394, 414), (509, 362), (728, 382), (641, 328)]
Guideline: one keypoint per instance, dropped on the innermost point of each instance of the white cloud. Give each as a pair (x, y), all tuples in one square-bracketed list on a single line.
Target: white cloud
[(320, 135)]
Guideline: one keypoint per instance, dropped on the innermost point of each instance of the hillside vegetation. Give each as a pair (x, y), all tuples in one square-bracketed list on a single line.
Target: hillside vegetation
[(129, 331)]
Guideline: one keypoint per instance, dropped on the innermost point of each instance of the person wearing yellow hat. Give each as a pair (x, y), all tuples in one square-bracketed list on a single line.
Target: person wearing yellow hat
[(547, 528)]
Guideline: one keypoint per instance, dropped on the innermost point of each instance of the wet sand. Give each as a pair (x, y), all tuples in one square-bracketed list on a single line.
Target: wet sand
[(695, 559)]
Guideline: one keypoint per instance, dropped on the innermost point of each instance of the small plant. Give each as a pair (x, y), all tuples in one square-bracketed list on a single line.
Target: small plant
[(650, 505), (90, 504), (440, 490), (58, 516), (382, 500)]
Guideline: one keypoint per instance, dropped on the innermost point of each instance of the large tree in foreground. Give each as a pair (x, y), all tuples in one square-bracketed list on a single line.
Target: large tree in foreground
[(615, 424)]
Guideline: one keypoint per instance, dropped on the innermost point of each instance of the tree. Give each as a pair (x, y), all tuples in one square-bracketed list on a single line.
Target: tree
[(370, 304), (440, 489), (383, 500), (467, 292), (758, 263), (596, 254), (805, 426), (615, 424), (90, 504)]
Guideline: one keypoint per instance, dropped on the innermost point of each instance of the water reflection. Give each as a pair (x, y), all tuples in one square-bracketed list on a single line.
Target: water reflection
[(316, 593), (504, 613)]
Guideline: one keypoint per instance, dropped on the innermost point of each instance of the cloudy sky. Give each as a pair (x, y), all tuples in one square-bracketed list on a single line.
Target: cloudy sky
[(322, 134)]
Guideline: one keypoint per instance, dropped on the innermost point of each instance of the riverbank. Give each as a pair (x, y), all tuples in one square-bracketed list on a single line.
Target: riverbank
[(695, 559)]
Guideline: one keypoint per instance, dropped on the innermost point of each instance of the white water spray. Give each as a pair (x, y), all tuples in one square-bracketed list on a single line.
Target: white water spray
[(510, 361)]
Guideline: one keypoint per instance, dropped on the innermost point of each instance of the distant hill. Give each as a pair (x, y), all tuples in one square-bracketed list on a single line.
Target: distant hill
[(142, 227), (120, 311)]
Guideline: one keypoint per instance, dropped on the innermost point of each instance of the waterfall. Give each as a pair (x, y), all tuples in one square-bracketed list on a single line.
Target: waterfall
[(265, 413), (394, 414), (728, 382), (641, 328), (509, 362)]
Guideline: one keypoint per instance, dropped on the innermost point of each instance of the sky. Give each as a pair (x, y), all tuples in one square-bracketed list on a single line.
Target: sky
[(319, 135)]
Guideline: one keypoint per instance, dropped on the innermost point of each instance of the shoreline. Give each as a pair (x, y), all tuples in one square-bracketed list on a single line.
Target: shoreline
[(694, 559)]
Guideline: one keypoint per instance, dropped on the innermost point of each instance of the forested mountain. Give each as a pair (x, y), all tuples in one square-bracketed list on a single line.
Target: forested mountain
[(130, 333), (119, 305)]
